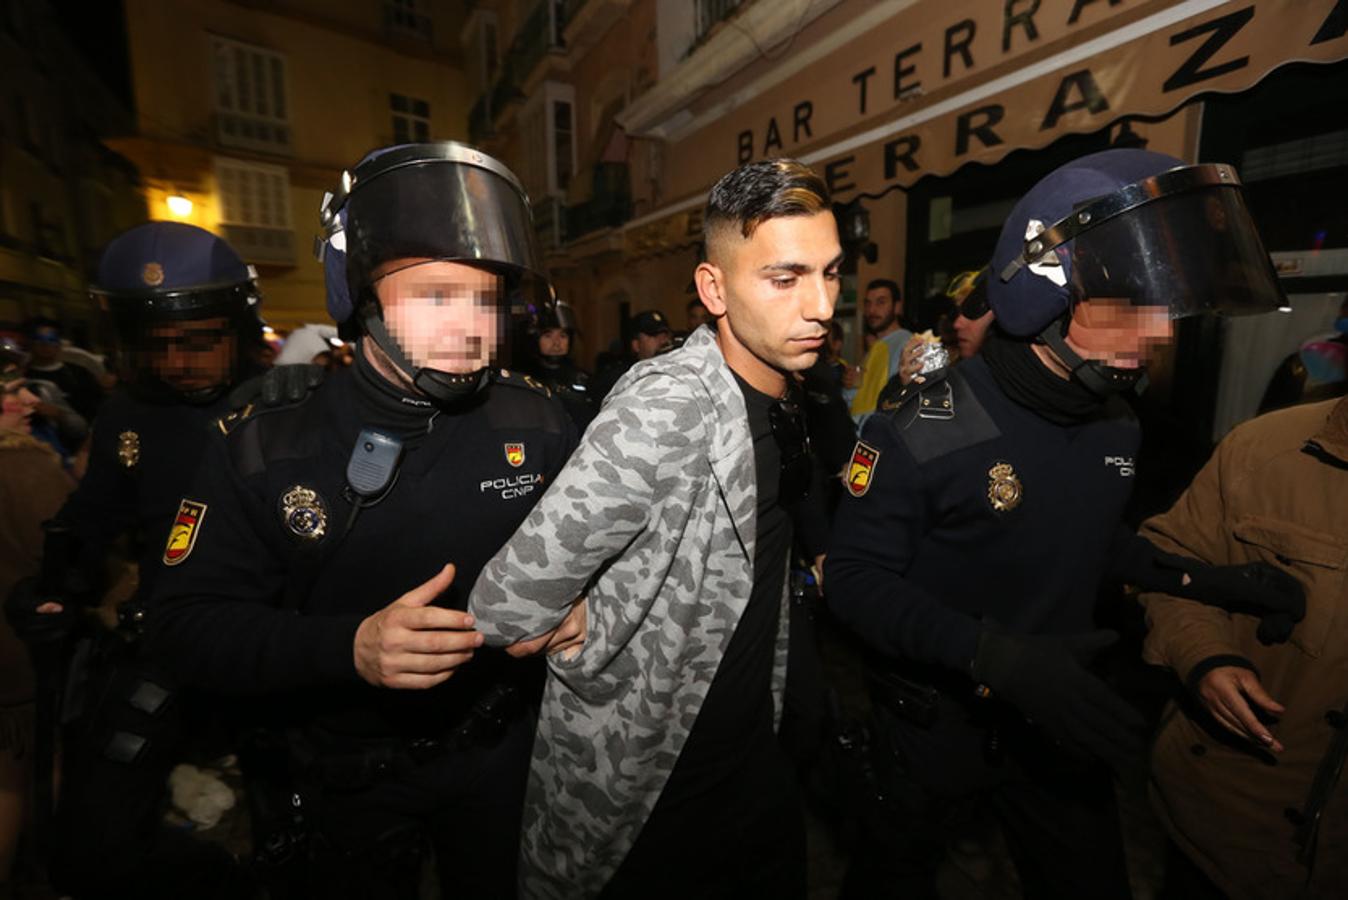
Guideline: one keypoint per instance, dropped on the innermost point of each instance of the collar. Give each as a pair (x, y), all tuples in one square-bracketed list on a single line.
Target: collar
[(1332, 438)]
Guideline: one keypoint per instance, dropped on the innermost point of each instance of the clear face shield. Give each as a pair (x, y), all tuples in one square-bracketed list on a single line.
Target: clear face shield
[(1181, 241)]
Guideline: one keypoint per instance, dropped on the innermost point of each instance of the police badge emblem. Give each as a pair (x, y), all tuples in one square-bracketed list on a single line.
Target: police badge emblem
[(128, 449), (1004, 488), (514, 454), (152, 274), (304, 513), (861, 468)]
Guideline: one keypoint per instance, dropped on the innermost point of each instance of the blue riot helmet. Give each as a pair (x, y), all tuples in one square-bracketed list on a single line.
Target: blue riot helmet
[(441, 201), (1132, 226), (185, 308)]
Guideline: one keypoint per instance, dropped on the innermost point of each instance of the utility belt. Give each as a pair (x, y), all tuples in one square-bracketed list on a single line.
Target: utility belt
[(345, 763)]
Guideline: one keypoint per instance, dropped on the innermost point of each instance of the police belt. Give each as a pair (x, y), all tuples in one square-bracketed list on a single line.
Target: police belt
[(347, 762), (914, 692)]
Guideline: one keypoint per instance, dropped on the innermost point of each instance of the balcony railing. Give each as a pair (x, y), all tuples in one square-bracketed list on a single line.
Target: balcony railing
[(609, 206)]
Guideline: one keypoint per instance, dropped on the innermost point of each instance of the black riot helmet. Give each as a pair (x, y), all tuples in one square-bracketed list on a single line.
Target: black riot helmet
[(166, 284), (1134, 227), (445, 202)]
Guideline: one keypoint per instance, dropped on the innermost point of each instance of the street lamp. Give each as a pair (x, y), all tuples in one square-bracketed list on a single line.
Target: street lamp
[(179, 206)]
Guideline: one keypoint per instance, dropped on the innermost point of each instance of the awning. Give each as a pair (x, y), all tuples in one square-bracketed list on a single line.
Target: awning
[(1142, 65)]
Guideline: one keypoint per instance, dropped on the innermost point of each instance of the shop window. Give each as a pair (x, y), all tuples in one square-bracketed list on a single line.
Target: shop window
[(407, 18), (411, 119), (255, 210), (250, 97)]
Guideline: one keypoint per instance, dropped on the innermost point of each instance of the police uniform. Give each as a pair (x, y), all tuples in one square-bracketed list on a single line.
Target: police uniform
[(963, 507), (273, 566), (127, 725)]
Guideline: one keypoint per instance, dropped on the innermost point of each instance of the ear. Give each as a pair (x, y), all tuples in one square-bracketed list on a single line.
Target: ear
[(710, 280)]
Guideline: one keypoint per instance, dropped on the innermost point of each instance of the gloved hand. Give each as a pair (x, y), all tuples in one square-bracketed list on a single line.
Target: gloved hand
[(34, 626), (1044, 677), (1256, 588), (278, 385)]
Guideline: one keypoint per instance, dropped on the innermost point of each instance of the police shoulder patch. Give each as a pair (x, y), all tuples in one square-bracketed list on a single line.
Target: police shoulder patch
[(183, 535), (861, 469), (520, 380)]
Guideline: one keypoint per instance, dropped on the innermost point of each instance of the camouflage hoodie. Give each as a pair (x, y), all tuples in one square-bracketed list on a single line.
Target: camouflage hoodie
[(653, 519)]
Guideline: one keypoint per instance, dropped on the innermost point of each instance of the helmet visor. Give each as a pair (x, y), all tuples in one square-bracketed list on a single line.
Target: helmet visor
[(449, 210), (1191, 252)]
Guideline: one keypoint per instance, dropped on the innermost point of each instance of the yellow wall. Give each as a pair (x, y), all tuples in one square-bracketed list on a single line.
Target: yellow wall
[(339, 70)]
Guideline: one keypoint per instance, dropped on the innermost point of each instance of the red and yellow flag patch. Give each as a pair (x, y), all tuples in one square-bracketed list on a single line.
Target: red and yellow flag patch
[(514, 454), (183, 536), (861, 469)]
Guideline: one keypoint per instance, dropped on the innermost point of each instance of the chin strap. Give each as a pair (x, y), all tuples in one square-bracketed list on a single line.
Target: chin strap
[(1098, 378), (443, 388)]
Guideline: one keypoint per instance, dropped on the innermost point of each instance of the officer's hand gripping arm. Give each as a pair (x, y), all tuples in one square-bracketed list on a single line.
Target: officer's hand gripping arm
[(1045, 678)]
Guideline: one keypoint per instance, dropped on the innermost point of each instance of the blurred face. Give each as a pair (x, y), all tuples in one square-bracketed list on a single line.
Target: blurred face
[(969, 333), (644, 346), (45, 346), (16, 411), (880, 310), (1118, 334), (192, 356), (444, 315), (774, 293), (554, 342)]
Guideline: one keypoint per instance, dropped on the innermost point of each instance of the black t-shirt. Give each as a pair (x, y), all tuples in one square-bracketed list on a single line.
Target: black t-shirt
[(734, 727)]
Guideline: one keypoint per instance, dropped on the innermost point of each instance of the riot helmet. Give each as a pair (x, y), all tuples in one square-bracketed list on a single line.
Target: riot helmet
[(1132, 228), (410, 207), (185, 310)]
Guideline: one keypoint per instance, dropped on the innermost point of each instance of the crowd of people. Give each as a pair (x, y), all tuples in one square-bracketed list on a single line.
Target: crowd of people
[(475, 622)]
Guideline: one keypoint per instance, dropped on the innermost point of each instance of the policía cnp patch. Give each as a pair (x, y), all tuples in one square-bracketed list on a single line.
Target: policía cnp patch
[(183, 536), (514, 454), (861, 469)]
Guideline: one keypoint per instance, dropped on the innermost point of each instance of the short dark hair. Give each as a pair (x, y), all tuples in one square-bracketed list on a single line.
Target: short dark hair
[(768, 189), (888, 284)]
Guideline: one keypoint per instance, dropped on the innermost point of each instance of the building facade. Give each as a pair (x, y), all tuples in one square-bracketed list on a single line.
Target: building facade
[(247, 112), (63, 194), (927, 120)]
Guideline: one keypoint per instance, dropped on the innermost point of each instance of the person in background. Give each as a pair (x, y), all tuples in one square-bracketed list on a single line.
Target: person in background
[(650, 334), (310, 345), (81, 388), (883, 310), (548, 359), (964, 333), (33, 485)]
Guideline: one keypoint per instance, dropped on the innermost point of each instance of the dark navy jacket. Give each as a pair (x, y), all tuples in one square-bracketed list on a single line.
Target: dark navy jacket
[(265, 602), (965, 506)]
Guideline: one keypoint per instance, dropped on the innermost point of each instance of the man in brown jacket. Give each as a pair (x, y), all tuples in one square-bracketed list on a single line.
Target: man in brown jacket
[(1246, 779)]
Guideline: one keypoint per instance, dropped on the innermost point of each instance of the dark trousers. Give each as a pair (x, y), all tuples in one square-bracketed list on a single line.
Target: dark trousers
[(1058, 813), (463, 807), (746, 839)]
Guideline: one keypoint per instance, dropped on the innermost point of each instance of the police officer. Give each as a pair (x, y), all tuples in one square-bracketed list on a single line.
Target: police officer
[(982, 511), (549, 360), (185, 310), (324, 555)]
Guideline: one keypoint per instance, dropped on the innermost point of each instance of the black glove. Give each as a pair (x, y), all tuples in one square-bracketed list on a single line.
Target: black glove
[(1044, 677), (34, 627), (278, 385), (1257, 589)]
